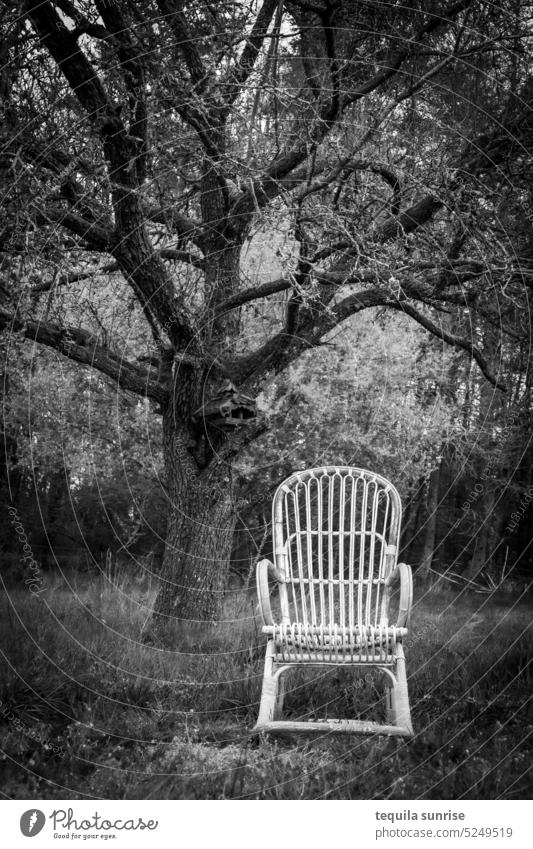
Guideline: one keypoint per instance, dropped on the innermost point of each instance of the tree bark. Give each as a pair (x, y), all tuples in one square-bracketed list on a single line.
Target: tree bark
[(200, 527), (201, 510)]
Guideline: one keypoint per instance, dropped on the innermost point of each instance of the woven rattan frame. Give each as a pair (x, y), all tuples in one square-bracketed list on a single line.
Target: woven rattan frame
[(335, 541)]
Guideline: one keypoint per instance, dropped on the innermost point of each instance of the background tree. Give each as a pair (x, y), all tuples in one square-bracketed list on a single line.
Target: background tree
[(145, 143)]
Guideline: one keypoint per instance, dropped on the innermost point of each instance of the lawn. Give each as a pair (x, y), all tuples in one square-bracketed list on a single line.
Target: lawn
[(88, 711)]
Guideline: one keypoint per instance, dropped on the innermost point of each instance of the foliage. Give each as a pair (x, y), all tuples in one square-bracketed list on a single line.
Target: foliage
[(79, 471), (356, 399)]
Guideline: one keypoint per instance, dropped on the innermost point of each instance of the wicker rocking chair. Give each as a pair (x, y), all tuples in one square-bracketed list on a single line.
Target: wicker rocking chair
[(335, 535)]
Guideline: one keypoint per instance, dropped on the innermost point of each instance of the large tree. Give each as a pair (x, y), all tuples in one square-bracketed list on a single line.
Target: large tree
[(145, 142)]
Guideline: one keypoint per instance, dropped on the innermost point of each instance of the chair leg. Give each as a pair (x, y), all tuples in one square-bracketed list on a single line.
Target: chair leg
[(389, 706), (400, 695), (278, 710), (269, 692)]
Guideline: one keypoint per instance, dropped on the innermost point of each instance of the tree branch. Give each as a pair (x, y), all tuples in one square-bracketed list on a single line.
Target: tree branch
[(172, 11), (411, 219), (177, 255), (180, 224), (98, 238), (348, 164), (133, 72), (171, 254), (452, 339), (254, 42), (64, 49), (281, 284), (464, 269), (283, 348), (284, 164), (72, 277), (394, 62), (131, 245)]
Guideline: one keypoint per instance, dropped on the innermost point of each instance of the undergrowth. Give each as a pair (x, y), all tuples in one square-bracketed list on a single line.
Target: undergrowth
[(87, 710)]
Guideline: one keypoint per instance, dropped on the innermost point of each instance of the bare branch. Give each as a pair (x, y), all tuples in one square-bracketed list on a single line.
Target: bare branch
[(182, 256), (411, 219), (133, 73), (393, 63), (284, 348), (64, 49), (397, 225), (97, 237), (254, 293), (452, 339), (72, 277), (251, 51), (348, 164), (177, 222), (390, 66), (130, 242), (83, 347), (172, 11), (172, 254)]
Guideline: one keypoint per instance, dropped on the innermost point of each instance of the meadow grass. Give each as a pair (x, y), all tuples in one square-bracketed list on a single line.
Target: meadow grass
[(87, 710)]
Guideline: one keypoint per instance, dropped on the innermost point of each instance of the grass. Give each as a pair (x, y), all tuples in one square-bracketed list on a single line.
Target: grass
[(88, 711)]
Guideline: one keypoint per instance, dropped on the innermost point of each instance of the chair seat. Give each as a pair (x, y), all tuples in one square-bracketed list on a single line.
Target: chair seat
[(301, 642)]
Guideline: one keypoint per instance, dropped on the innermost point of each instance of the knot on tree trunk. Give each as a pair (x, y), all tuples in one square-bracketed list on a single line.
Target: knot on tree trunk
[(227, 409)]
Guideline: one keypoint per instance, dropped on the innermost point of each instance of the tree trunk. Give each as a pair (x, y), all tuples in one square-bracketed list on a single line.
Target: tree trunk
[(201, 510), (200, 527), (408, 529), (482, 553)]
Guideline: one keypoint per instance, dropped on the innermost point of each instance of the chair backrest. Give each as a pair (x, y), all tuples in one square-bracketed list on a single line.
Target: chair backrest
[(336, 535)]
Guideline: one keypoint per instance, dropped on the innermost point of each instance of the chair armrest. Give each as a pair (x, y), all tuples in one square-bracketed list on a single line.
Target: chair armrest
[(266, 571), (406, 592)]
